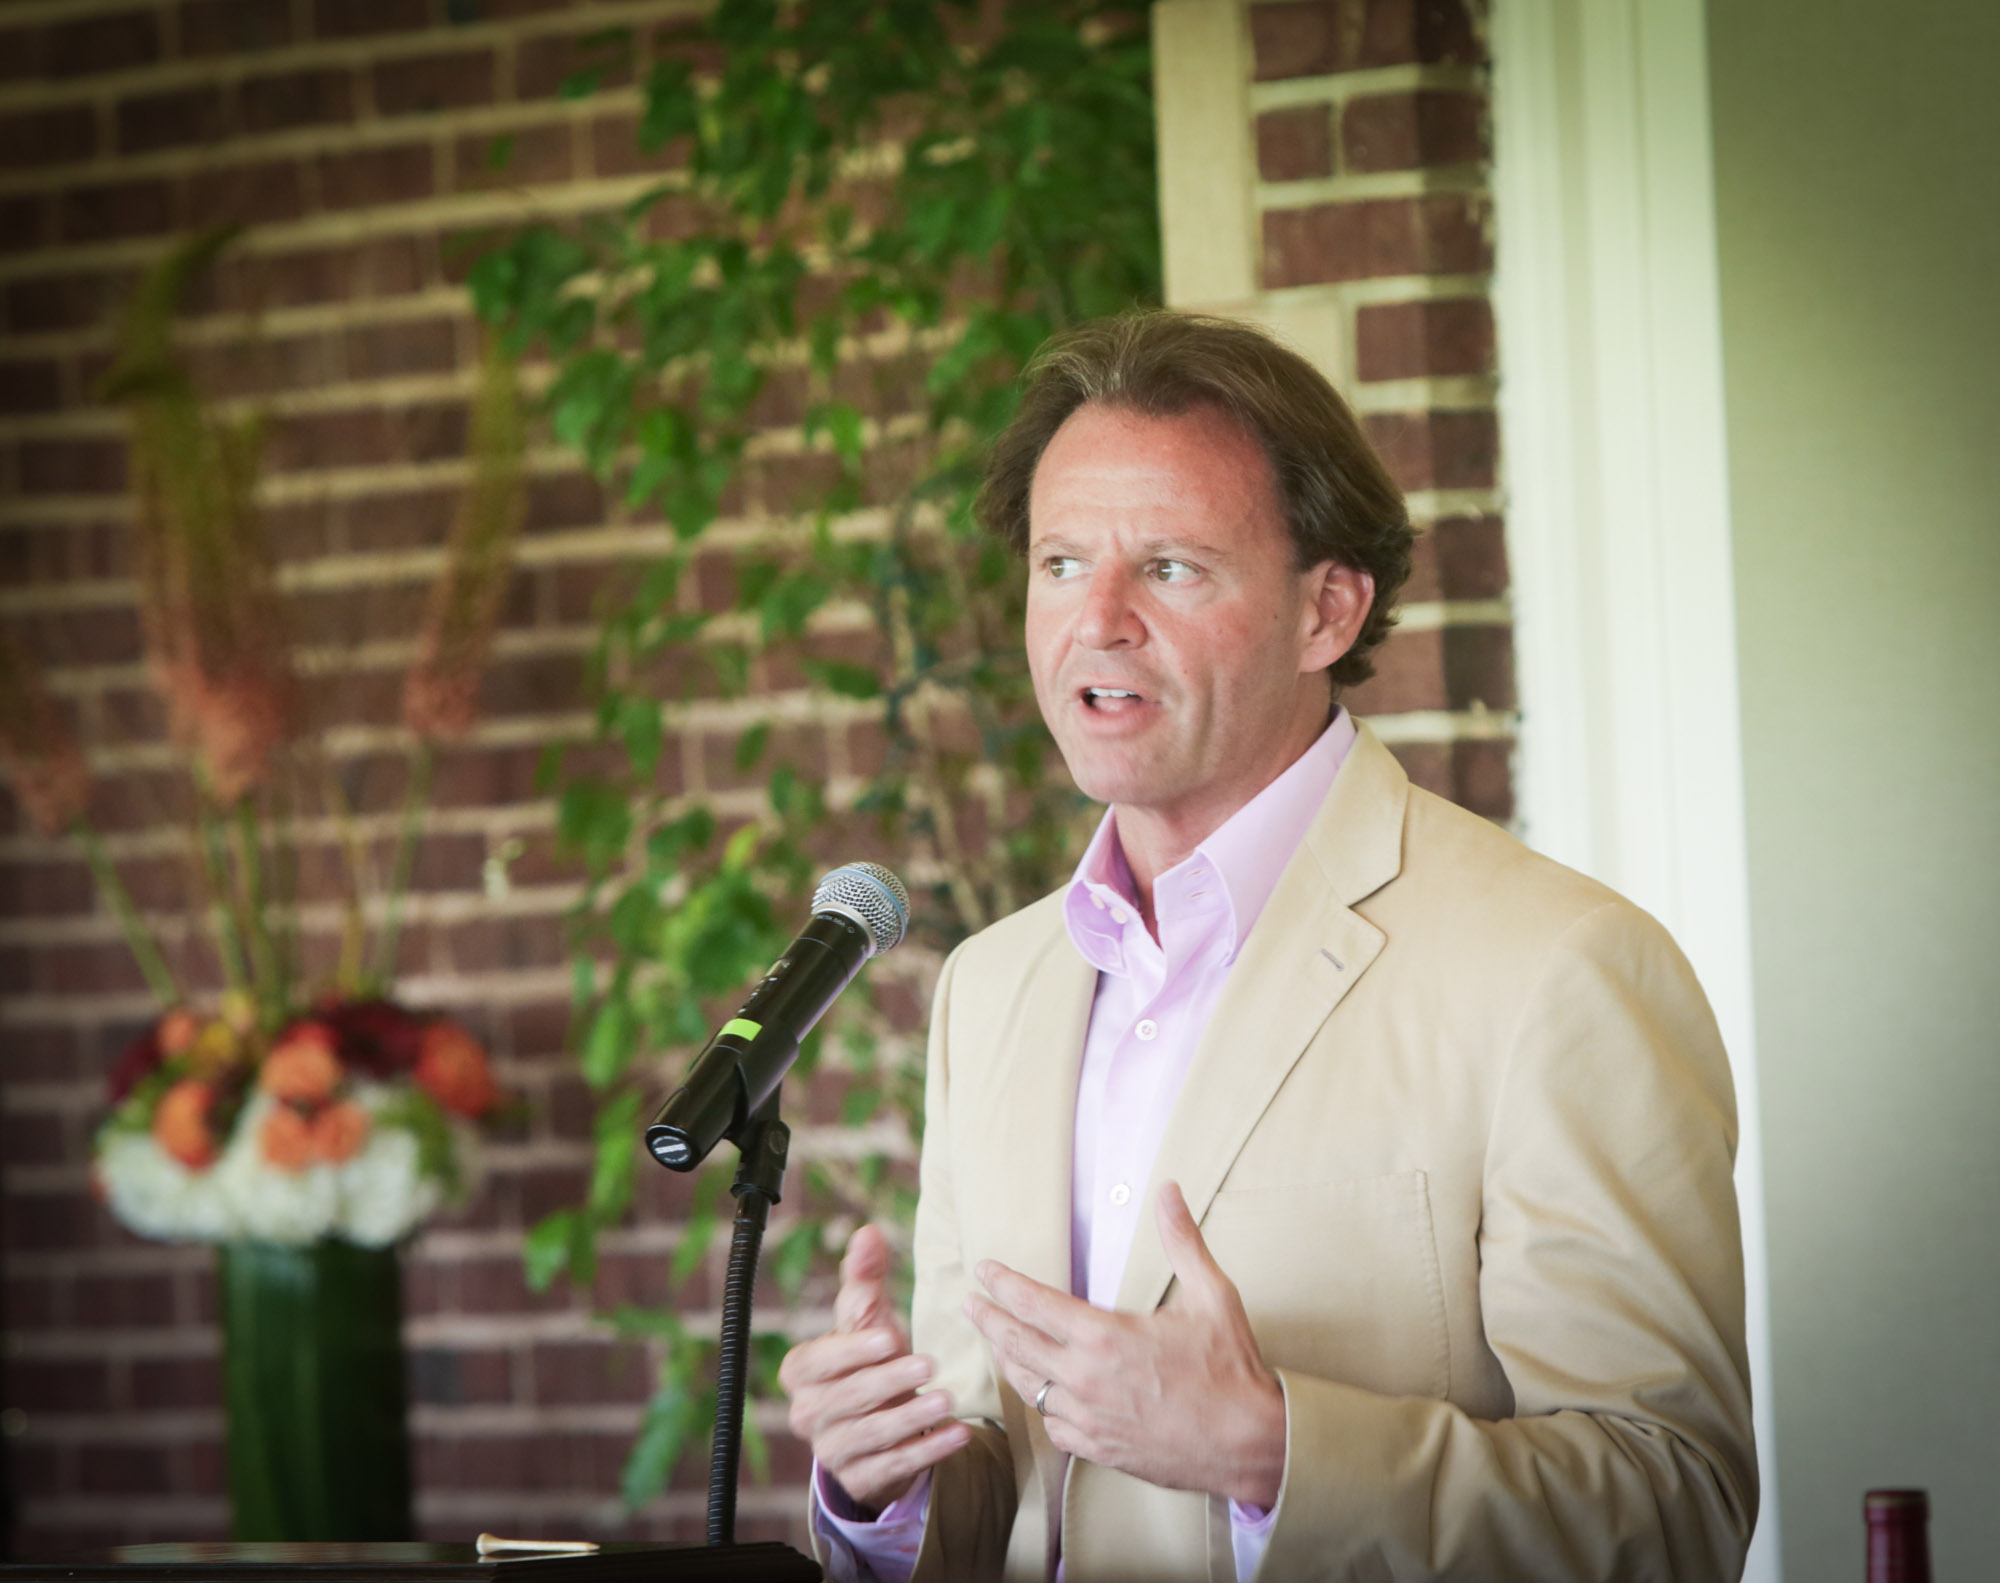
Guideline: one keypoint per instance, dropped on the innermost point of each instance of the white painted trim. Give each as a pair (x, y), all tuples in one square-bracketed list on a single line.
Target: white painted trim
[(1618, 511)]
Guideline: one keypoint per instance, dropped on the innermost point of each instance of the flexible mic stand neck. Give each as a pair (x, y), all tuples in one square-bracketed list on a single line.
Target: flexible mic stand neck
[(763, 1142)]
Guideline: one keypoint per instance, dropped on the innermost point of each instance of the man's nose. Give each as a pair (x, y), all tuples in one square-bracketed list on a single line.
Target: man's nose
[(1110, 617)]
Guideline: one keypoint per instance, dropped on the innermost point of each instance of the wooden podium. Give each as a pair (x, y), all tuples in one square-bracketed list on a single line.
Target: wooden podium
[(420, 1563)]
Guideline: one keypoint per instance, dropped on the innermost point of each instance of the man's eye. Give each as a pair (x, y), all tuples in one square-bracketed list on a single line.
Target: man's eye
[(1061, 565), (1173, 572)]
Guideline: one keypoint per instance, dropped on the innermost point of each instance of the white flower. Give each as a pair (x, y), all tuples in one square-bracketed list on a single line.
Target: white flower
[(384, 1192), (274, 1205), (154, 1194)]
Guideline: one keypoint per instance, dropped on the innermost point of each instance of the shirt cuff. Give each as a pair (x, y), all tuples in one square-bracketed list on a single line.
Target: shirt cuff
[(883, 1549), (1249, 1535)]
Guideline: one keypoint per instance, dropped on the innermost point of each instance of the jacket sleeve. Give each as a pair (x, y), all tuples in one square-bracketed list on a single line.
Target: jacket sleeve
[(1611, 1284), (972, 1494)]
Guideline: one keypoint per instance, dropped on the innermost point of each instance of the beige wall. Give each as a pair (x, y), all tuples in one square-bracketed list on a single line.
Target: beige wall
[(1857, 165)]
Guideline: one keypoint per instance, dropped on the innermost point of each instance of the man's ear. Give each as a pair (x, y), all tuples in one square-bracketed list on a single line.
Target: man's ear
[(1342, 596)]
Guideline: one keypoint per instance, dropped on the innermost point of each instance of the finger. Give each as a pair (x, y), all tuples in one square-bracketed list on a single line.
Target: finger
[(869, 1390), (1021, 1348), (830, 1356), (873, 1433), (863, 1300), (1195, 1267), (1056, 1314), (890, 1472)]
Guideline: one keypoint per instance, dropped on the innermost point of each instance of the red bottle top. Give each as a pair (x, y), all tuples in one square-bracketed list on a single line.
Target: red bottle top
[(1899, 1547)]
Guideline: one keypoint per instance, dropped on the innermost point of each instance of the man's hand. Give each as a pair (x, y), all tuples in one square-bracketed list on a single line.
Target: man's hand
[(1179, 1397), (853, 1390)]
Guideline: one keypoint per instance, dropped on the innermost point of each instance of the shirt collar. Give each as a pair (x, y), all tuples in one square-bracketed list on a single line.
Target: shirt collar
[(1247, 853)]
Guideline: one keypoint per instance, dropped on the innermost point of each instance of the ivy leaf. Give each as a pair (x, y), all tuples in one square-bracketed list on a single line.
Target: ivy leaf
[(594, 819), (612, 1042), (639, 723), (844, 678), (663, 1431), (617, 1137), (750, 745)]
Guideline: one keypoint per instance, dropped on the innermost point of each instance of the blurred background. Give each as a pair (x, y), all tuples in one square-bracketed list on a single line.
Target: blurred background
[(482, 518)]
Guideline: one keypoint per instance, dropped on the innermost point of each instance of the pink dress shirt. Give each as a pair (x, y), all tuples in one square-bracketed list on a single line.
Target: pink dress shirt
[(1153, 1001)]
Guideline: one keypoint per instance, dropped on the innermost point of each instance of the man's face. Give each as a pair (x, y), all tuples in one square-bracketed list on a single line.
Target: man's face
[(1176, 650)]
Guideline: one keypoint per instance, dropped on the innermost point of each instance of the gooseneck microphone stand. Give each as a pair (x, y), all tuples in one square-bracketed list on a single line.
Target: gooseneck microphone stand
[(762, 1143)]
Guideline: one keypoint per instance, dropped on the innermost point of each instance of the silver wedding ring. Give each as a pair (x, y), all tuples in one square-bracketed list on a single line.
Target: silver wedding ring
[(1042, 1397)]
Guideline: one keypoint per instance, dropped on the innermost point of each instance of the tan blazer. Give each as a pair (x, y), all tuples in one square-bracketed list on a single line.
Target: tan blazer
[(1461, 1131)]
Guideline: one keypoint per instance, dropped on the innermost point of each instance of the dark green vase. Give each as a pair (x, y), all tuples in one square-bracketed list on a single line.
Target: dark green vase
[(312, 1350)]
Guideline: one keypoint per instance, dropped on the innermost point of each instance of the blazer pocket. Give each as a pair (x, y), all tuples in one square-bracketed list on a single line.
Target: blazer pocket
[(1340, 1279)]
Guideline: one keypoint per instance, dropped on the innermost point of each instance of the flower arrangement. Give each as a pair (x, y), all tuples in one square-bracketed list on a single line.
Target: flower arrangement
[(308, 1103), (354, 1121)]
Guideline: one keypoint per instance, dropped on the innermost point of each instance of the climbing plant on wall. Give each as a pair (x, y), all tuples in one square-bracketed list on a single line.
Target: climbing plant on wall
[(795, 345)]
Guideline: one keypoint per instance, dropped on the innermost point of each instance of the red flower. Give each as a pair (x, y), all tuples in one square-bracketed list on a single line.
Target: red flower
[(286, 1137), (141, 1056), (338, 1131), (451, 1066), (375, 1036)]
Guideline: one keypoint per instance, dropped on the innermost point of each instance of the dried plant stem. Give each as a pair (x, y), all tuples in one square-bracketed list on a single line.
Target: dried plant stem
[(215, 879), (159, 977), (351, 973), (267, 971), (423, 759)]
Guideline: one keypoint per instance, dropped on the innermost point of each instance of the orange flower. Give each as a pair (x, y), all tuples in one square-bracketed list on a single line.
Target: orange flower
[(452, 1067), (338, 1131), (303, 1067), (287, 1139), (178, 1030), (180, 1124)]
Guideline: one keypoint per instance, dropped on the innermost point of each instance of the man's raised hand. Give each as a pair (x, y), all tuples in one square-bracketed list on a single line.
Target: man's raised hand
[(854, 1390), (1179, 1397)]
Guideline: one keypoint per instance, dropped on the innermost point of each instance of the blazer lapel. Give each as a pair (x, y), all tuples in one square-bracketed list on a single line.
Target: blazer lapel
[(1032, 1123), (1307, 950)]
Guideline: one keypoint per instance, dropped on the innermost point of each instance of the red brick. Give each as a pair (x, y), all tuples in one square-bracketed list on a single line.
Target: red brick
[(43, 890), (484, 777), (176, 1382), (1438, 233), (29, 386), (171, 120), (421, 83), (409, 346), (1407, 340), (32, 1054), (24, 222), (68, 301), (400, 173), (1294, 145), (72, 467), (1322, 36), (495, 945), (615, 151), (577, 1372), (297, 98), (563, 500), (1475, 775), (233, 27), (534, 154), (542, 64), (37, 139), (117, 209), (532, 685), (1450, 668), (355, 18), (20, 54), (448, 1377), (124, 1470), (246, 194), (49, 1222), (399, 521), (1471, 555), (1406, 131), (49, 1385), (1436, 450), (101, 43)]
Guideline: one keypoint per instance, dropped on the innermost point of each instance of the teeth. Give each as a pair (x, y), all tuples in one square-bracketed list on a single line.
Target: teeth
[(1109, 692)]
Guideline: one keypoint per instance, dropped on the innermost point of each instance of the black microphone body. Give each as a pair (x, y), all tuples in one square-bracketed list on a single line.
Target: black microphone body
[(740, 1067)]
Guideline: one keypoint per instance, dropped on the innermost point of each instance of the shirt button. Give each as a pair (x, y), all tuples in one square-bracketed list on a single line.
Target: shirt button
[(1097, 902), (1118, 915), (1147, 1029), (1121, 1195)]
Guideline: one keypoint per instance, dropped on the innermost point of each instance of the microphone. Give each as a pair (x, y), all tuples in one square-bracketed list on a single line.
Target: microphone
[(859, 910)]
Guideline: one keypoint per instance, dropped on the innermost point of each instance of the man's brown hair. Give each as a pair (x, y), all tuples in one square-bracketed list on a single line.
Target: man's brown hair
[(1337, 498)]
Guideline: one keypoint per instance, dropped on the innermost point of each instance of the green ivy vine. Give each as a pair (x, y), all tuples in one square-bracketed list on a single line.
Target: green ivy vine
[(872, 213)]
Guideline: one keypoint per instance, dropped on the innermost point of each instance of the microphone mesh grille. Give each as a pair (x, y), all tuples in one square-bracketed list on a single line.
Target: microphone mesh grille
[(871, 893)]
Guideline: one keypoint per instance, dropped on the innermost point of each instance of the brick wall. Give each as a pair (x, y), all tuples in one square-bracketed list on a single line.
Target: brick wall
[(1355, 219), (352, 134)]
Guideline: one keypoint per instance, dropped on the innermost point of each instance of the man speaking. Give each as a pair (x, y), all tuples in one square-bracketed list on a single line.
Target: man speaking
[(1321, 1185)]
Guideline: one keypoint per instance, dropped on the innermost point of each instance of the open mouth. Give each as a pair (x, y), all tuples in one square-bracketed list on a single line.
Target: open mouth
[(1110, 699)]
